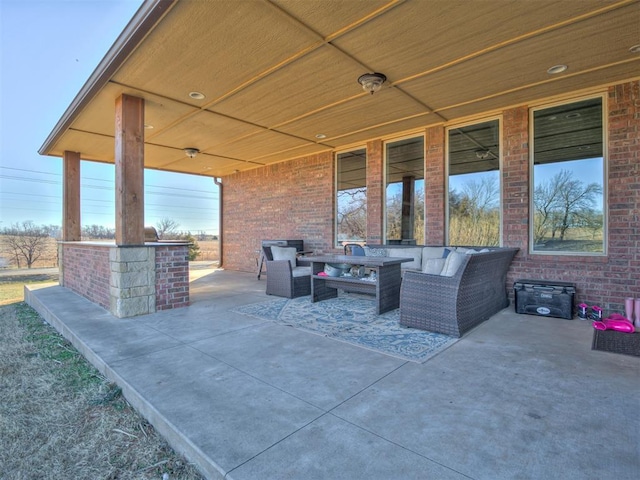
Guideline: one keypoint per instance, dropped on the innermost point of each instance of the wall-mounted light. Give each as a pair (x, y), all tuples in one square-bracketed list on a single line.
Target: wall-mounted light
[(372, 82), (191, 152)]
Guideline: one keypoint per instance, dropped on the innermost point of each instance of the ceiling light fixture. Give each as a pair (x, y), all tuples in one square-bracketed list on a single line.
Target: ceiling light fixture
[(557, 69), (372, 82), (635, 49), (482, 154), (320, 136), (191, 152), (196, 95)]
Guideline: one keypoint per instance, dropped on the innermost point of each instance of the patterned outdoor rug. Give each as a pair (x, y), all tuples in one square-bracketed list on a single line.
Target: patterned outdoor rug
[(352, 318)]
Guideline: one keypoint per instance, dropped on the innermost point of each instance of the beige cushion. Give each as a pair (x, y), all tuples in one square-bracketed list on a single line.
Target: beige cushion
[(431, 252), (284, 253), (433, 266), (415, 253), (301, 272), (452, 263)]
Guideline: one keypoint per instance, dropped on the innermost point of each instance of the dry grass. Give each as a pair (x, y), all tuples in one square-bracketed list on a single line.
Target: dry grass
[(59, 418)]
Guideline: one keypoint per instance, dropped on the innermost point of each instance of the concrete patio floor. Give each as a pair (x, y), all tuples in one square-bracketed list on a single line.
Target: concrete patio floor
[(519, 397)]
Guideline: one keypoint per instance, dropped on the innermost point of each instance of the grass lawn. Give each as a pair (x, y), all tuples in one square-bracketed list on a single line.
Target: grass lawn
[(60, 418)]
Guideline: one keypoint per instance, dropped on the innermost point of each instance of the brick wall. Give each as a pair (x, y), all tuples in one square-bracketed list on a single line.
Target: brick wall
[(375, 191), (87, 271), (291, 200), (435, 195), (172, 277), (296, 200)]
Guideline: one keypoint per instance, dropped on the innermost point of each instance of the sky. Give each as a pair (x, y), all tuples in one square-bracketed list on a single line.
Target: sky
[(48, 50)]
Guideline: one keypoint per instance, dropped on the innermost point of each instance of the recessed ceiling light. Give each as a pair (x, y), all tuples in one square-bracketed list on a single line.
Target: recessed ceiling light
[(196, 95), (635, 49), (573, 115), (557, 69), (320, 136)]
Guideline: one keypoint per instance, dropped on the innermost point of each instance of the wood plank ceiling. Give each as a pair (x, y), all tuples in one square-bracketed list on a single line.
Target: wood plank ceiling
[(276, 74)]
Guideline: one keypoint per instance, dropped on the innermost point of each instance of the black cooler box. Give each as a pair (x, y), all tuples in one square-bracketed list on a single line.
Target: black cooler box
[(544, 298)]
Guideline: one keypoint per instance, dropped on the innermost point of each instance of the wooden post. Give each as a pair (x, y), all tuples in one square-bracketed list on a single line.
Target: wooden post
[(71, 227), (408, 200), (129, 159)]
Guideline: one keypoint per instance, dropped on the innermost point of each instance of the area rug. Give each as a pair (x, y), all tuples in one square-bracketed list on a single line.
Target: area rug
[(352, 318)]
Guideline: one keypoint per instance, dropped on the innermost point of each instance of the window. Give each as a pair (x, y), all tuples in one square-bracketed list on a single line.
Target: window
[(351, 197), (568, 179), (474, 184), (405, 191)]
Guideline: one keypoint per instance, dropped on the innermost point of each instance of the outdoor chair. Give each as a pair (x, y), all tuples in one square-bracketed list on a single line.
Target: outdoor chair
[(286, 277), (354, 249)]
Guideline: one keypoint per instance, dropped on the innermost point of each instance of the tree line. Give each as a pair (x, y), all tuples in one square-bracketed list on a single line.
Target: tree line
[(25, 243), (562, 204)]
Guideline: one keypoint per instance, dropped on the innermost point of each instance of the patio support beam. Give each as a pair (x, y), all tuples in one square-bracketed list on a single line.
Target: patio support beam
[(129, 160), (71, 226)]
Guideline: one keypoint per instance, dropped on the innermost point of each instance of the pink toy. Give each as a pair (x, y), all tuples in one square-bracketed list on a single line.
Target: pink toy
[(615, 322)]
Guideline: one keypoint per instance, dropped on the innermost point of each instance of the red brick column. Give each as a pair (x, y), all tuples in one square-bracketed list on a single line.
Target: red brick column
[(515, 179), (375, 193), (435, 194), (172, 277)]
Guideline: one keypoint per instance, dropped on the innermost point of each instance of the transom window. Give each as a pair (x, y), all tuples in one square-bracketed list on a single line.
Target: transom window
[(474, 184), (568, 179)]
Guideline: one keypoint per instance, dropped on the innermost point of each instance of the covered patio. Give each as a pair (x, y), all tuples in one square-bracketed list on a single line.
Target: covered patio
[(263, 97), (519, 397)]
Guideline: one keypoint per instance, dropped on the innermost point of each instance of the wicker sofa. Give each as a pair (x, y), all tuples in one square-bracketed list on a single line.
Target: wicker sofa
[(455, 304)]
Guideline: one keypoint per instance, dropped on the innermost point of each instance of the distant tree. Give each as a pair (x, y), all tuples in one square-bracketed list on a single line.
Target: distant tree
[(194, 248), (98, 232), (474, 215), (167, 228), (564, 202), (352, 214), (26, 241)]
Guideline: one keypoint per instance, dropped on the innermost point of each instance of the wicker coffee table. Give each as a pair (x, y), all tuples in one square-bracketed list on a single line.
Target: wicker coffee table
[(386, 287)]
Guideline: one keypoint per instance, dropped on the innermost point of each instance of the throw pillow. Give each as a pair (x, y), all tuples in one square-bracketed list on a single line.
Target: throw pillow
[(285, 253), (433, 266), (375, 252), (452, 263)]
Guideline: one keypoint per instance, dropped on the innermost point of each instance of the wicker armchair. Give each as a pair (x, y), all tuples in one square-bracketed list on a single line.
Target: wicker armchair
[(454, 305), (284, 280)]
